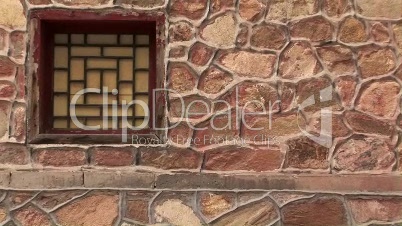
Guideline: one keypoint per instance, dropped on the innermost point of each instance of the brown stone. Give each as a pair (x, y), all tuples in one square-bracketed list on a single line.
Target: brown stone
[(221, 31), (251, 10), (400, 156), (14, 154), (178, 52), (5, 110), (380, 32), (258, 213), (338, 59), (286, 10), (248, 64), (52, 199), (248, 196), (363, 123), (40, 2), (214, 80), (242, 36), (31, 216), (379, 98), (60, 157), (181, 77), (113, 156), (315, 212), (397, 30), (298, 60), (283, 198), (368, 209), (82, 2), (375, 61), (137, 206), (336, 8), (213, 204), (221, 5), (8, 68), (17, 198), (17, 45), (93, 210), (18, 123), (287, 96), (181, 31), (192, 9), (12, 14), (170, 159), (141, 3), (363, 153), (180, 133), (390, 9), (338, 127), (316, 29), (20, 82), (3, 38), (235, 159), (346, 87), (304, 153), (352, 30), (7, 90), (3, 214), (194, 107), (200, 54), (275, 40)]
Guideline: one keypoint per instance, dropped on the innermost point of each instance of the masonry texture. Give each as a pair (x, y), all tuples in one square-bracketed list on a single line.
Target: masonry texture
[(267, 50)]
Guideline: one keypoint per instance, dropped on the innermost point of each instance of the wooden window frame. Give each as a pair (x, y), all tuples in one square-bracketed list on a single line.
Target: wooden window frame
[(44, 24)]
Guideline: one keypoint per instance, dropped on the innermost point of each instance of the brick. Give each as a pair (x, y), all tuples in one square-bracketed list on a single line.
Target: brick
[(113, 156), (45, 179), (60, 157), (96, 179), (14, 154), (170, 159)]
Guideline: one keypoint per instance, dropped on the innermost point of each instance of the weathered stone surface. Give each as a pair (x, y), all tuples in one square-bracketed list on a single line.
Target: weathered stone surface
[(94, 210), (3, 214), (5, 108), (31, 216), (298, 60), (40, 2), (283, 198), (17, 45), (113, 156), (137, 206), (337, 129), (181, 77), (287, 92), (246, 197), (20, 82), (18, 198), (200, 54), (362, 123), (60, 157), (275, 40), (379, 98), (220, 32), (3, 38), (251, 10), (12, 14), (316, 29), (304, 153), (242, 36), (220, 5), (213, 204), (336, 8), (391, 9), (352, 30), (170, 158), (367, 209), (375, 61), (380, 32), (338, 59), (192, 9), (18, 123), (214, 80), (141, 3), (194, 107), (346, 87), (7, 90), (14, 154), (315, 212), (82, 2), (181, 31), (8, 68), (52, 199), (180, 133), (362, 153), (397, 30), (176, 212), (286, 10), (235, 158), (400, 157), (257, 213), (177, 52), (249, 64)]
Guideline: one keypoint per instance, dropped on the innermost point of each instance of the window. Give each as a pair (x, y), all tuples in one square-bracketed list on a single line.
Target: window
[(96, 75)]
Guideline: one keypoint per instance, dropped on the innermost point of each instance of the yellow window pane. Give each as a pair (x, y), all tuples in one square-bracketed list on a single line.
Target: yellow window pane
[(125, 89), (60, 124), (61, 57), (77, 39), (126, 39), (98, 99), (80, 100), (93, 79), (102, 63), (60, 105), (61, 38), (87, 111), (139, 110), (119, 112), (60, 81), (142, 40), (142, 57), (77, 69), (126, 70), (142, 81), (76, 87), (125, 99), (110, 80), (118, 51), (102, 39), (126, 124), (85, 51), (138, 124), (95, 122)]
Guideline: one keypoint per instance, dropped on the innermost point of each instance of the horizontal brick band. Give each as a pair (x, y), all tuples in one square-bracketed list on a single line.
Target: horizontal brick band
[(189, 181)]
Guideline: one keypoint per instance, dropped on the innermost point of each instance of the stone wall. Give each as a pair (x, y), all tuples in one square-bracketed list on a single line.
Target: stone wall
[(267, 50)]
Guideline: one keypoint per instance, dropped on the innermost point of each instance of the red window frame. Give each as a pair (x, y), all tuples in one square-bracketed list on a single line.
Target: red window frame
[(50, 22)]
